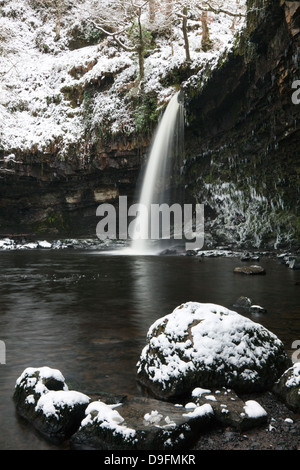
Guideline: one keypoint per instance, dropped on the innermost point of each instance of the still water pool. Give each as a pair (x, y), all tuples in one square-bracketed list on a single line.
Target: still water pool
[(87, 314)]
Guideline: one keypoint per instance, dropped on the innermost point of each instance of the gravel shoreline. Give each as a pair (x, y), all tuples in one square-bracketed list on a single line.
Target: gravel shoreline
[(281, 433)]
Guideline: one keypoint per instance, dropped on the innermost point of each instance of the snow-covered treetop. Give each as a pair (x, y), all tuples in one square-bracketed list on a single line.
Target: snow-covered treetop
[(69, 68)]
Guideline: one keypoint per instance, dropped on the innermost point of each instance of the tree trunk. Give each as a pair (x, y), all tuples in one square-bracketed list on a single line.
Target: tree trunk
[(59, 5), (141, 51), (152, 10), (185, 35), (206, 43)]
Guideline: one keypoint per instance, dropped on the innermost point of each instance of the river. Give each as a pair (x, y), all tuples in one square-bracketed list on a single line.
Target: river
[(87, 313)]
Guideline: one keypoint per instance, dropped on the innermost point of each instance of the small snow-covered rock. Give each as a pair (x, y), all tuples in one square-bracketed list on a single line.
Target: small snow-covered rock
[(257, 309), (42, 397), (287, 388), (6, 244), (254, 410), (207, 345), (44, 244), (28, 246)]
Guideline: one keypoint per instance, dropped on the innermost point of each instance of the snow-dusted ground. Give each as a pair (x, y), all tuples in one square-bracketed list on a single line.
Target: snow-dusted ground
[(35, 113)]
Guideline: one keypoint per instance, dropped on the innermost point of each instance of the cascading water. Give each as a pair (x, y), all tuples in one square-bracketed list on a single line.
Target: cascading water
[(163, 159)]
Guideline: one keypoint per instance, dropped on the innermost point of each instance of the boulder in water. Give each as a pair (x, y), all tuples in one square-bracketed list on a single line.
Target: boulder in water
[(255, 269), (43, 398), (287, 388), (209, 346), (243, 302)]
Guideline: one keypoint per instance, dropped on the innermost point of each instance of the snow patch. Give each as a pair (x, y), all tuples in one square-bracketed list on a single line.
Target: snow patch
[(51, 403), (254, 409), (106, 417)]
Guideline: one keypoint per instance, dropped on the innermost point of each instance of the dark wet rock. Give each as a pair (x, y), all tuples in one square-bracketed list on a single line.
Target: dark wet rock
[(169, 251), (250, 270), (108, 398), (207, 345), (191, 253), (141, 423), (247, 304), (42, 397), (230, 410), (287, 388), (249, 257), (243, 302)]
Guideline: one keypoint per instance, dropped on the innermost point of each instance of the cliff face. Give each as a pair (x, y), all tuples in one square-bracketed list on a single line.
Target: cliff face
[(42, 195), (243, 138)]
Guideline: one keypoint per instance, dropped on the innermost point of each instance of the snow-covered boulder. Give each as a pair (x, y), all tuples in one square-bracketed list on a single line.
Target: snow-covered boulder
[(209, 346), (287, 388), (43, 398), (141, 423)]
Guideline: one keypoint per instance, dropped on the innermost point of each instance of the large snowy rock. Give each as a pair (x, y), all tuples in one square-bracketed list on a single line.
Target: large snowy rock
[(287, 388), (141, 423), (209, 346), (43, 398)]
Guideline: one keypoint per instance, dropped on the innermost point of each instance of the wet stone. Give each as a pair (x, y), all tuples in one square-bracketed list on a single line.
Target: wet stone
[(141, 423), (230, 410), (250, 270)]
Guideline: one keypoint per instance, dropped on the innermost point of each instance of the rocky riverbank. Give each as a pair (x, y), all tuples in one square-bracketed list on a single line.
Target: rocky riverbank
[(25, 242), (195, 347), (281, 432)]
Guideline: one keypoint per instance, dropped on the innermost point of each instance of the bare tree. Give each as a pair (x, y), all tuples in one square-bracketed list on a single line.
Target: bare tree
[(184, 16), (205, 43), (124, 21), (121, 21), (183, 8)]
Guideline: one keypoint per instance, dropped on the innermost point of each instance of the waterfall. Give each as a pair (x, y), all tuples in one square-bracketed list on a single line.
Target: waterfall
[(159, 176)]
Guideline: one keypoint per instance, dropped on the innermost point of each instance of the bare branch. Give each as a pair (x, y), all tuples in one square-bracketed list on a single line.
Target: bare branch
[(114, 36), (218, 10)]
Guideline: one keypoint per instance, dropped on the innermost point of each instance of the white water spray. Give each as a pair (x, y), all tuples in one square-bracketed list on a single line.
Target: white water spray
[(163, 149)]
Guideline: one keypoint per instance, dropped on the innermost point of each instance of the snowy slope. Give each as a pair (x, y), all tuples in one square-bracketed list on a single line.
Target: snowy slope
[(36, 73)]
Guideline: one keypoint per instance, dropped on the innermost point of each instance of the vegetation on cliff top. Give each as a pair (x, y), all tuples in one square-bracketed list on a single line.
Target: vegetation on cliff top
[(71, 75)]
